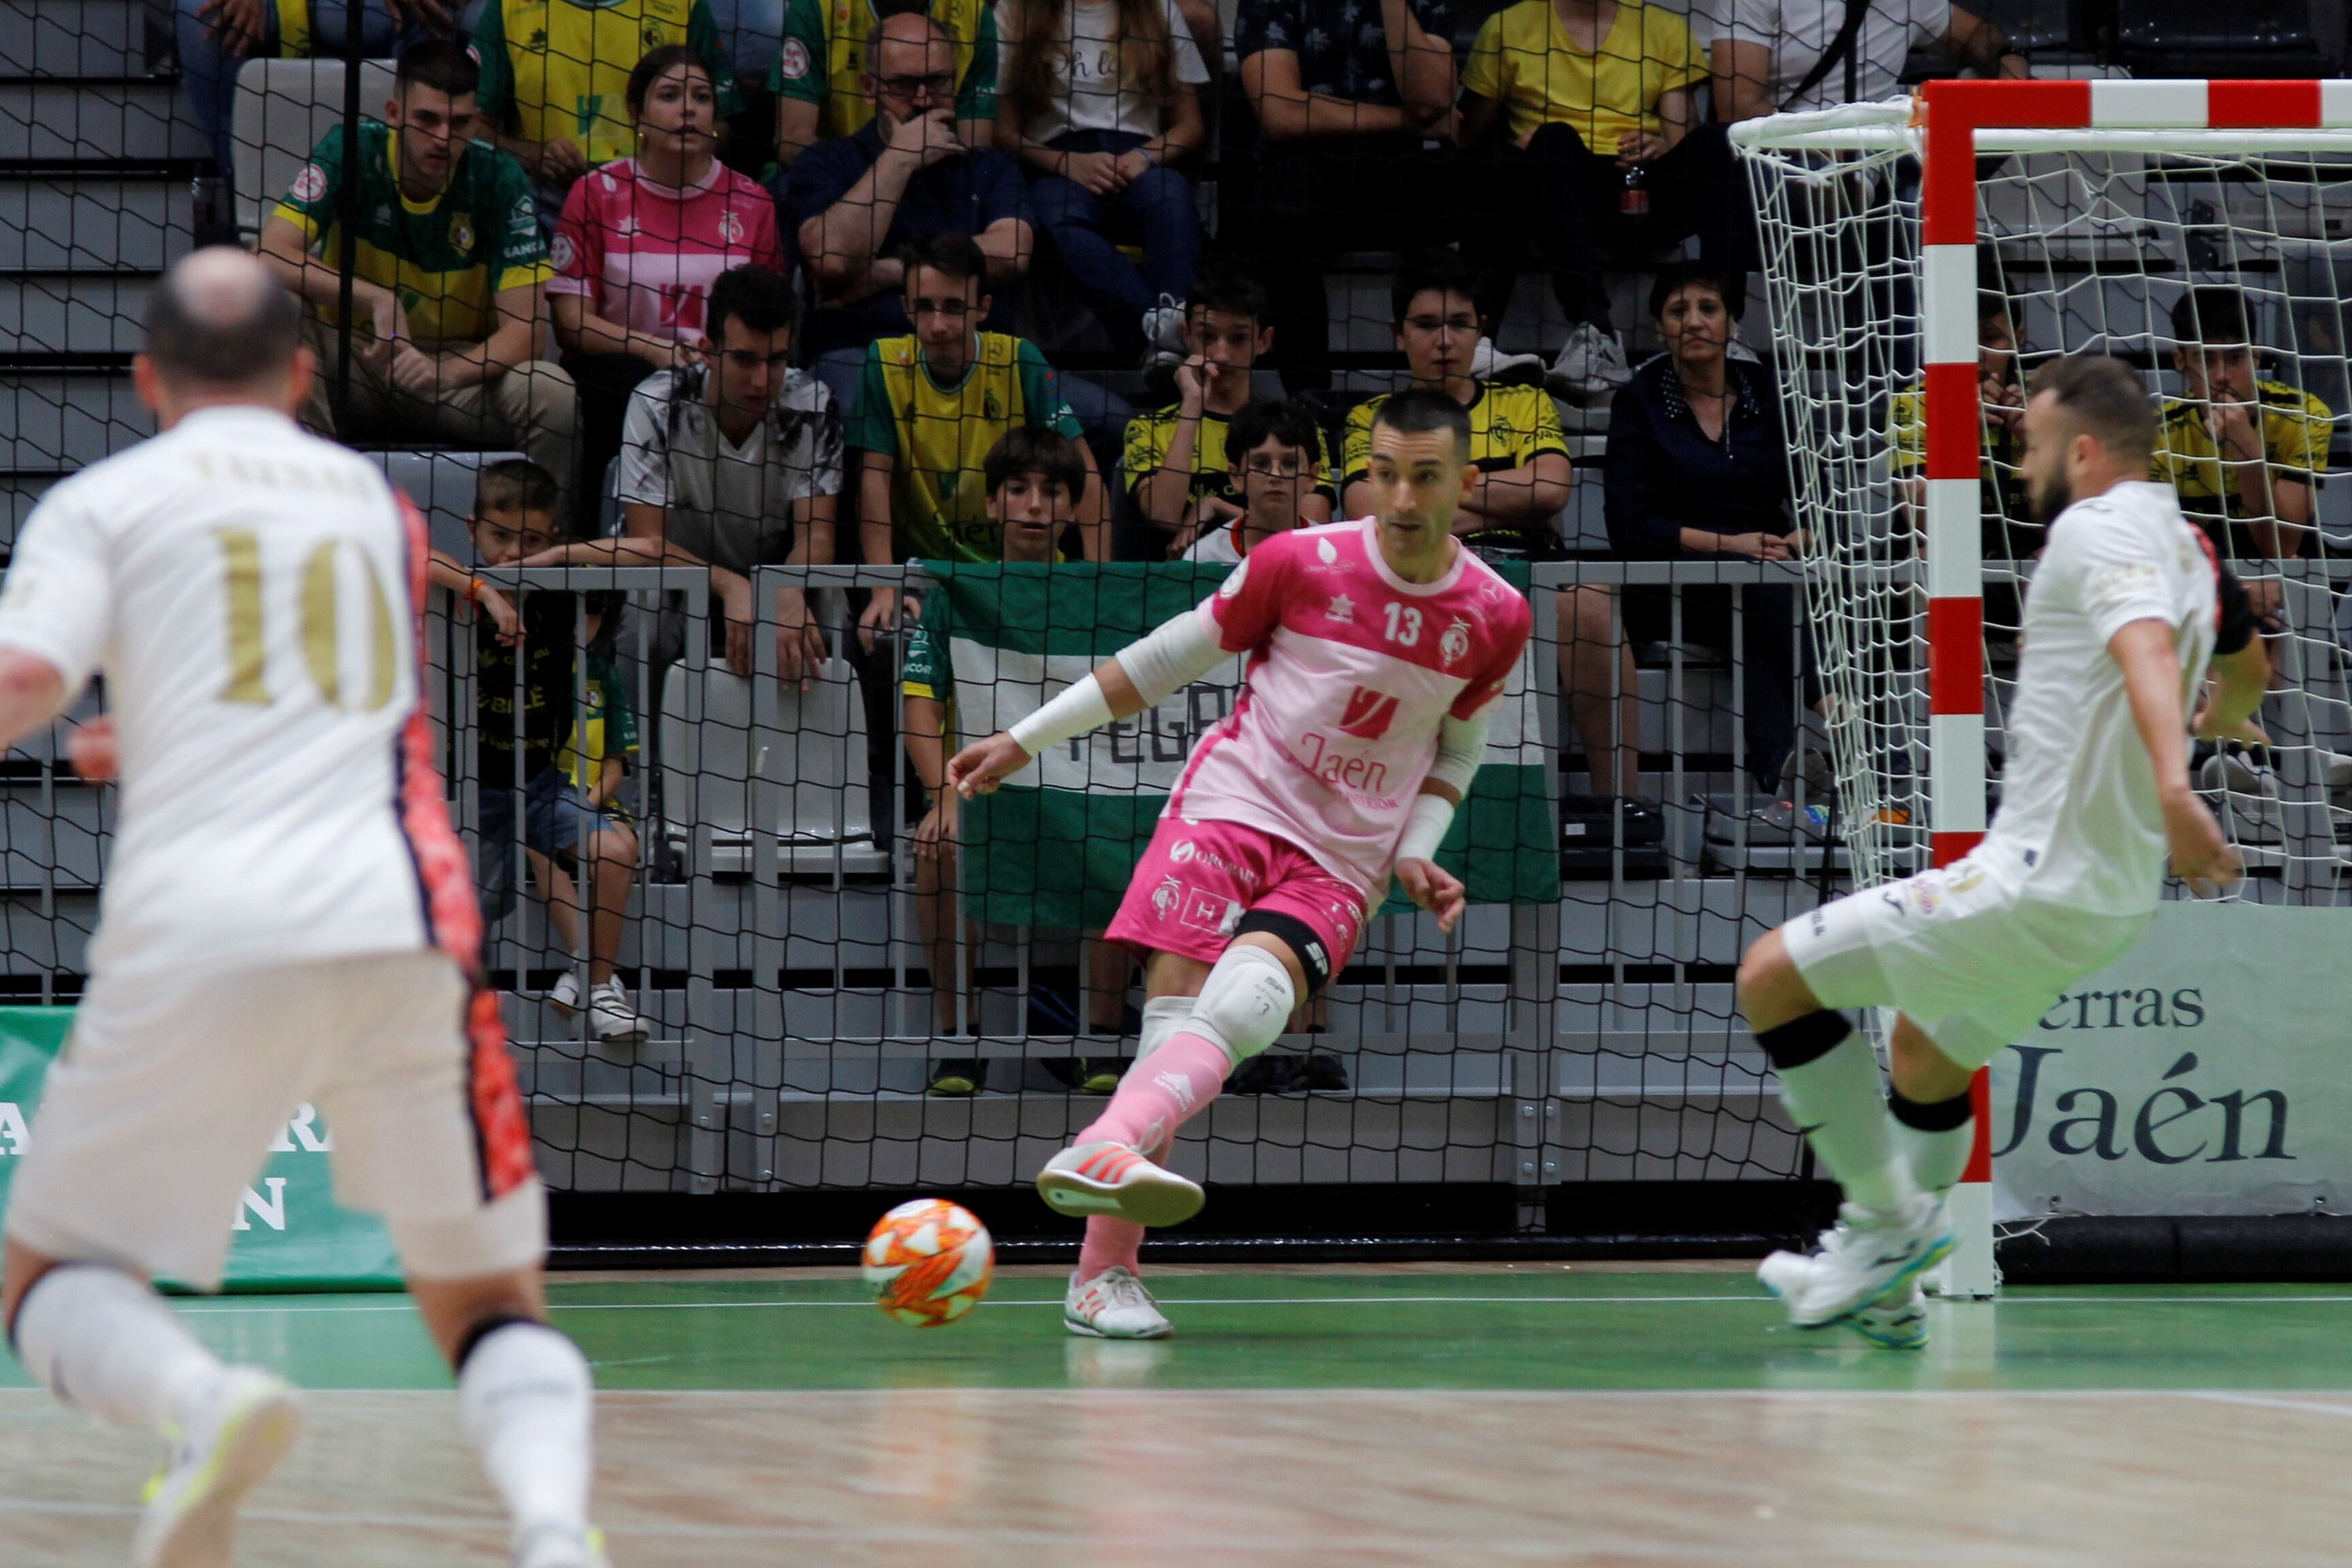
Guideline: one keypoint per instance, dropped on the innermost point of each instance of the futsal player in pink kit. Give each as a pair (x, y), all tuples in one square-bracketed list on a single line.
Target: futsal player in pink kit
[(1376, 649)]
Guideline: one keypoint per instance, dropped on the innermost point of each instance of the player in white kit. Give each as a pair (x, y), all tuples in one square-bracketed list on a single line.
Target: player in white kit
[(1376, 649), (288, 917), (2126, 608)]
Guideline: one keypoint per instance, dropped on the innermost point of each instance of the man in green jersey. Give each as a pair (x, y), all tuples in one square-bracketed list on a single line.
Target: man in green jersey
[(449, 272)]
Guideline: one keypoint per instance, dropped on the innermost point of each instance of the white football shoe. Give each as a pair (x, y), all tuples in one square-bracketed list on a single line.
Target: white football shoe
[(611, 1018), (1897, 1321), (1865, 1259), (191, 1518), (1087, 1179), (560, 1546), (1113, 1305)]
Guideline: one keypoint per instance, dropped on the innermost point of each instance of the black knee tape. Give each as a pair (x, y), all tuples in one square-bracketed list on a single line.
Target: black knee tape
[(1936, 1117), (1803, 1039), (471, 1340), (1295, 933)]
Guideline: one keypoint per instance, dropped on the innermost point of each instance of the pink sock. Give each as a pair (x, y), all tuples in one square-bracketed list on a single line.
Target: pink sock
[(1114, 1243), (1172, 1084)]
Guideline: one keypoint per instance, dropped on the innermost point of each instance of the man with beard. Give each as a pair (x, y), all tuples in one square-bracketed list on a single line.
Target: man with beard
[(2125, 611)]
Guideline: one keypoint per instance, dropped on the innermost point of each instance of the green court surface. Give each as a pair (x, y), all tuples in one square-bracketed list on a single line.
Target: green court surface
[(1542, 1328)]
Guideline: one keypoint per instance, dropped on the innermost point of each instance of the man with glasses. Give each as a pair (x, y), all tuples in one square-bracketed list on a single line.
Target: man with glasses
[(733, 462), (853, 204), (819, 74)]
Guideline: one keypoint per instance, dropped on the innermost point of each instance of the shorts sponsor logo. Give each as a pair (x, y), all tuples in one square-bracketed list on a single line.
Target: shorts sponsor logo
[(796, 62), (1164, 896), (1455, 643), (1183, 852), (1316, 956), (1206, 911), (1368, 714), (311, 184)]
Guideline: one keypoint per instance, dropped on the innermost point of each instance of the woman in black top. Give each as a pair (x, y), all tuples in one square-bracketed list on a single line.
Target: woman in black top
[(1697, 470)]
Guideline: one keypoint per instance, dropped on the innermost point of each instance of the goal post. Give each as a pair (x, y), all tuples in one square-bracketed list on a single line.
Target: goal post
[(1901, 241)]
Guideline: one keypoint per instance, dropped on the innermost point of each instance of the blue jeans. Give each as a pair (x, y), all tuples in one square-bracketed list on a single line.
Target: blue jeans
[(1156, 211), (210, 73)]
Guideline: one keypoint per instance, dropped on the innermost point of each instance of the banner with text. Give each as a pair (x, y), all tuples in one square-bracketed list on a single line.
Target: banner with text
[(2203, 1072), (1056, 847), (288, 1233)]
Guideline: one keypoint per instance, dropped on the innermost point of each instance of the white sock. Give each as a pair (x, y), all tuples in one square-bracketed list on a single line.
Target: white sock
[(105, 1344), (525, 1402), (1836, 1098), (1933, 1141)]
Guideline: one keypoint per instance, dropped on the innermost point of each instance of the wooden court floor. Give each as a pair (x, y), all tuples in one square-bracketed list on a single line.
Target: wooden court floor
[(1541, 1415)]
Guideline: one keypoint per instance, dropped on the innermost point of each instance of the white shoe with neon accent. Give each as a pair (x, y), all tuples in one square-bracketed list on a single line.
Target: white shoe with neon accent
[(1087, 1179), (560, 1546), (1898, 1322), (1864, 1260), (1113, 1305), (191, 1518)]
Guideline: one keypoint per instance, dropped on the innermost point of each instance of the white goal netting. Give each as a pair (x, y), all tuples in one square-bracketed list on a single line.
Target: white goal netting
[(2215, 262)]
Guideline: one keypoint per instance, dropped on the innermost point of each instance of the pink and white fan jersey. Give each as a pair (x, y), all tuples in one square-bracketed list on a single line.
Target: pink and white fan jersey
[(1351, 671), (645, 255)]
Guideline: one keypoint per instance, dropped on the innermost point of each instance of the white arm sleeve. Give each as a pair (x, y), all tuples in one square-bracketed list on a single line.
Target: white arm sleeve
[(1158, 665), (1461, 746), (1173, 657)]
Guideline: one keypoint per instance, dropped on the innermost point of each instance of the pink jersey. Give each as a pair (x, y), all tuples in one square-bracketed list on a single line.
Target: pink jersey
[(646, 255), (1351, 670)]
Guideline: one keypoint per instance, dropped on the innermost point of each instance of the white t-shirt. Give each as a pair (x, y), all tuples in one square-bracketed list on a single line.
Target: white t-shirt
[(2078, 803), (1086, 95), (1799, 32), (731, 504), (245, 589)]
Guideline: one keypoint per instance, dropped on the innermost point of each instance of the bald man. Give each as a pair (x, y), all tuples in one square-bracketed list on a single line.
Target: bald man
[(287, 920), (855, 202)]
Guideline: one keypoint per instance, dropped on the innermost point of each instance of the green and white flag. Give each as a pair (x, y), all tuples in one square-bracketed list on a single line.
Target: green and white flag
[(1055, 846)]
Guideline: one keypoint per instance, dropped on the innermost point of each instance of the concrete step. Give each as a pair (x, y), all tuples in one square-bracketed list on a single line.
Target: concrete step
[(105, 119), (71, 313), (74, 38), (58, 420), (96, 221)]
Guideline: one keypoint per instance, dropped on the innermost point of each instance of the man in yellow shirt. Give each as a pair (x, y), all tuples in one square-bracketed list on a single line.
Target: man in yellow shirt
[(930, 408), (1589, 105), (2243, 453), (450, 277)]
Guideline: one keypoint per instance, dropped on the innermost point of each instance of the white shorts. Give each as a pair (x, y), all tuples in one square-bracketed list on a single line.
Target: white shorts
[(1959, 951), (162, 1107)]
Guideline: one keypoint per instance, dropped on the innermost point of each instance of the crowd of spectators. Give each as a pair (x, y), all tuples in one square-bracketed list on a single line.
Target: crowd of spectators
[(812, 351)]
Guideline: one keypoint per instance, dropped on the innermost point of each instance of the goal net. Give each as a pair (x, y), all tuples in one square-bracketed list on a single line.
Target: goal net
[(1923, 258)]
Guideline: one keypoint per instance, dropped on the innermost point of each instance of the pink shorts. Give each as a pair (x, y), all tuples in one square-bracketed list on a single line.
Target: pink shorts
[(1196, 880)]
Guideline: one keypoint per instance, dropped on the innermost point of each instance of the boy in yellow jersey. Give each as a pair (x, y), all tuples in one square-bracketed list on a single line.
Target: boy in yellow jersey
[(1036, 480), (2241, 452), (451, 268), (555, 79), (1177, 466), (821, 62), (1514, 440), (929, 407)]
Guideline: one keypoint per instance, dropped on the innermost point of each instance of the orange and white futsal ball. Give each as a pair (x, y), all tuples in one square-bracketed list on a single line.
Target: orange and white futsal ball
[(928, 1262)]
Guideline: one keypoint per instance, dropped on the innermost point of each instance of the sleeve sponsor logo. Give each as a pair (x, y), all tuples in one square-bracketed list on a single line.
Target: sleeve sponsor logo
[(311, 184), (563, 253), (796, 62)]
